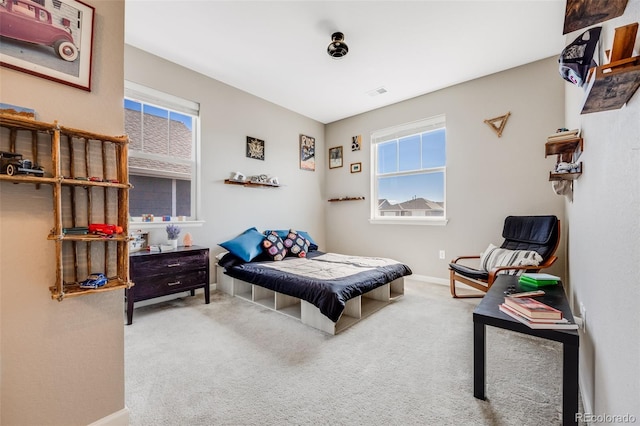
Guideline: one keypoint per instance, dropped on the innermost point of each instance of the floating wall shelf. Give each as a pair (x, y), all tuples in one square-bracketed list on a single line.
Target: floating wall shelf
[(345, 199)]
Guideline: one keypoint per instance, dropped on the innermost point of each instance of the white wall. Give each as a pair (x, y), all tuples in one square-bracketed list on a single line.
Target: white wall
[(62, 363), (488, 177), (604, 241), (228, 116)]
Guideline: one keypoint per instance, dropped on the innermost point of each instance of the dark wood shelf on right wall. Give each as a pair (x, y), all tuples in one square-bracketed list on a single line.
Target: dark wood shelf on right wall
[(611, 85)]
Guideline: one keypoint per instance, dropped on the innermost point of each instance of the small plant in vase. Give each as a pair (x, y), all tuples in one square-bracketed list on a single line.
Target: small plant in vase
[(172, 234)]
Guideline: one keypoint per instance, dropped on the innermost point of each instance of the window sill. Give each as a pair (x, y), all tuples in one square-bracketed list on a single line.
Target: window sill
[(134, 224), (407, 221)]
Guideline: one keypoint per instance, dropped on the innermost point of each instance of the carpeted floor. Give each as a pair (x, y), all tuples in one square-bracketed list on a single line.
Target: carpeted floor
[(235, 363)]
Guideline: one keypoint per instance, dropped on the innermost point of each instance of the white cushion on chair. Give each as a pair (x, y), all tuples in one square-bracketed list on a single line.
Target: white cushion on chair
[(494, 257)]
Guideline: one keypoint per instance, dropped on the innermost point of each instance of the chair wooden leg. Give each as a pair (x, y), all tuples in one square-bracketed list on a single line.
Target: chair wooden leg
[(452, 287)]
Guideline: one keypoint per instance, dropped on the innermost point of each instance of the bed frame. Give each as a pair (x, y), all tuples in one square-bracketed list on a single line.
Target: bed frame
[(355, 310)]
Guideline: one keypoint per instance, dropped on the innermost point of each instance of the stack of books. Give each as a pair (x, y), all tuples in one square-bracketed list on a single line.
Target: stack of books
[(563, 135), (537, 279), (535, 314)]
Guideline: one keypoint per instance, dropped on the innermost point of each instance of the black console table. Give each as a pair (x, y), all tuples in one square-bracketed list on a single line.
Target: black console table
[(488, 313), (160, 274)]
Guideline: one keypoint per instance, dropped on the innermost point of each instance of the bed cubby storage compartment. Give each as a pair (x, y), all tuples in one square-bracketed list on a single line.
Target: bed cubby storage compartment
[(355, 310)]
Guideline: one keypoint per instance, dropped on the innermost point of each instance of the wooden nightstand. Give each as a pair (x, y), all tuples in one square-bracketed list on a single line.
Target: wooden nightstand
[(160, 274)]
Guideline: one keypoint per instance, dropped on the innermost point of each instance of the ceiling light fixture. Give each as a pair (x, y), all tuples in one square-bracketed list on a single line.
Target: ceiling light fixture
[(337, 48)]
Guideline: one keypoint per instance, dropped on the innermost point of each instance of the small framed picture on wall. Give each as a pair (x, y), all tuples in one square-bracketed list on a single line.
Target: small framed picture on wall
[(356, 143), (335, 157), (356, 167), (255, 148), (307, 153)]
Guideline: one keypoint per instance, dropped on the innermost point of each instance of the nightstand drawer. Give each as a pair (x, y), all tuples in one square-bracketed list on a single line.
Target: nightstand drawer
[(164, 264), (149, 287)]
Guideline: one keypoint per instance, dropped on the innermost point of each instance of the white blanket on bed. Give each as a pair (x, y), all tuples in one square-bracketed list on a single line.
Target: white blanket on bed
[(330, 265)]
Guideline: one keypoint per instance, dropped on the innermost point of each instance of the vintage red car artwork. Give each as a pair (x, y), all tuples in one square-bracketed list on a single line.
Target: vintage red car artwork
[(28, 21)]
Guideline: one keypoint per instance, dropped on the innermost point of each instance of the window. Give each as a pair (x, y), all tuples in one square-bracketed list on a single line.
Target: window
[(408, 173), (163, 145)]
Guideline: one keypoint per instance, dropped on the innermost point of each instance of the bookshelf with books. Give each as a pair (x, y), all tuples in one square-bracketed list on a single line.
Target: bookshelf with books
[(566, 145)]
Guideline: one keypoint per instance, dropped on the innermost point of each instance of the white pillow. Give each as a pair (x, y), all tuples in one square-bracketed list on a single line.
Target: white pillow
[(494, 257)]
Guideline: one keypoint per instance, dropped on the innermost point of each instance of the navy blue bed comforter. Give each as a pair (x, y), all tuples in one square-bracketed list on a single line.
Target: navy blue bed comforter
[(326, 280)]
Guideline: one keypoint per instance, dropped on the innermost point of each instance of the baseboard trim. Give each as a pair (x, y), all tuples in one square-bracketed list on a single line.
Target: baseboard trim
[(586, 399), (119, 418), (428, 279)]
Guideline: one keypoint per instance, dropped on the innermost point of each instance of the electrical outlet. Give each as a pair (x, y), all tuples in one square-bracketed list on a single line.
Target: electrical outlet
[(583, 316), (442, 254)]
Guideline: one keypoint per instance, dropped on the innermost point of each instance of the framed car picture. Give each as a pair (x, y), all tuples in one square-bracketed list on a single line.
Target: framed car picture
[(335, 157), (52, 41)]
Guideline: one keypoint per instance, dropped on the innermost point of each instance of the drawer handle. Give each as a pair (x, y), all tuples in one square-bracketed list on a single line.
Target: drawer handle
[(171, 265), (175, 283)]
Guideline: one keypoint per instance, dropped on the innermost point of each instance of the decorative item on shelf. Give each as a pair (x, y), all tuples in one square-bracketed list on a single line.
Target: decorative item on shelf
[(139, 241), (576, 59), (238, 177), (255, 148), (498, 128), (23, 112), (187, 241), (12, 164), (166, 218), (274, 180), (565, 167), (172, 235), (104, 229), (147, 218), (259, 179)]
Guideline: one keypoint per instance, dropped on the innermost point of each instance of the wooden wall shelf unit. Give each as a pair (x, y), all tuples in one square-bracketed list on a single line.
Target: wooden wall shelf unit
[(611, 85), (249, 183), (331, 200), (569, 151), (77, 203)]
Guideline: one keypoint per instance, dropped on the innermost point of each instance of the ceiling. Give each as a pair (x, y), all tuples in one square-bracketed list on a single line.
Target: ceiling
[(277, 50)]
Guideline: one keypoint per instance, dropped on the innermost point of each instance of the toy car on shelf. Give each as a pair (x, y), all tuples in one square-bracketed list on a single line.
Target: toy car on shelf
[(12, 164), (104, 229), (29, 21), (94, 281)]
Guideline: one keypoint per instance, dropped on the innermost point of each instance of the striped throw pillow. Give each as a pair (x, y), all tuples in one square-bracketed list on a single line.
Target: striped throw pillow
[(494, 257)]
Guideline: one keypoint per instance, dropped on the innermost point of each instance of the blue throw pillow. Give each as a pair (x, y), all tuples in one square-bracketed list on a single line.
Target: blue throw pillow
[(246, 245)]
